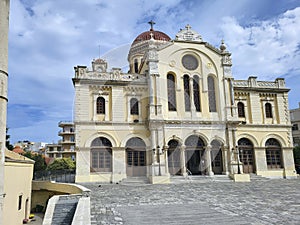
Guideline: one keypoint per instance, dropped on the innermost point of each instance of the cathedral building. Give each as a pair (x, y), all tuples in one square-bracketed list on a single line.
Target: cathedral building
[(178, 112)]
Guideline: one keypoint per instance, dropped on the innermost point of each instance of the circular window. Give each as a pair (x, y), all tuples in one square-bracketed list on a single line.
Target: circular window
[(190, 62)]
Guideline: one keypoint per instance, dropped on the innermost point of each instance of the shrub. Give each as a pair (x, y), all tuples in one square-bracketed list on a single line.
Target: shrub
[(62, 164)]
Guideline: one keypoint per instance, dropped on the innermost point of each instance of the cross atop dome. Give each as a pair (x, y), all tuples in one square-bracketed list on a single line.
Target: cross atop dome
[(151, 35), (188, 27), (151, 22)]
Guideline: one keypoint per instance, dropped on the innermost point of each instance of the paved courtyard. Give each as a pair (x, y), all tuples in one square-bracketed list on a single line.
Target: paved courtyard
[(209, 202)]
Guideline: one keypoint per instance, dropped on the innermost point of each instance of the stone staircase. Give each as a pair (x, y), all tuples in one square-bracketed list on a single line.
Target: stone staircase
[(200, 179), (135, 181), (254, 177), (64, 210)]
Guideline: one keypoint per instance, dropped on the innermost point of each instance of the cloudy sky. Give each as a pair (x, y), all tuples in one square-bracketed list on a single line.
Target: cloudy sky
[(49, 37)]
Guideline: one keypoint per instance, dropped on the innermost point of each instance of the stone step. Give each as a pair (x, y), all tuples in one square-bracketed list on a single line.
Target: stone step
[(254, 177), (135, 180), (201, 178), (64, 211)]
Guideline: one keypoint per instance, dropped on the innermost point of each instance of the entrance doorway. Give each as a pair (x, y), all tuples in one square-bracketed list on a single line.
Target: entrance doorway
[(194, 157), (136, 158), (216, 157), (174, 158), (246, 153)]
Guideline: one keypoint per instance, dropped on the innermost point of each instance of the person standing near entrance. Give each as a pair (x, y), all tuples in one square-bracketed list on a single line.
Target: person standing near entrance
[(202, 167)]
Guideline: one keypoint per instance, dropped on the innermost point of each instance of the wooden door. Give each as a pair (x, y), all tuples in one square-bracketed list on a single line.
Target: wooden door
[(136, 163), (246, 157)]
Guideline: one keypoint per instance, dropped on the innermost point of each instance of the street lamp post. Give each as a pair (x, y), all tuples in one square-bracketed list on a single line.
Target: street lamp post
[(158, 159), (238, 159), (158, 153)]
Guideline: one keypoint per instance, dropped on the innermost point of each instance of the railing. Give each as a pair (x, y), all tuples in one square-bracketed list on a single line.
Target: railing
[(115, 75), (65, 132), (64, 176), (252, 82)]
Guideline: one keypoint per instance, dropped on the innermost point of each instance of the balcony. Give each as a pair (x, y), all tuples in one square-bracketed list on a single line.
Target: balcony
[(67, 142), (68, 150), (66, 132)]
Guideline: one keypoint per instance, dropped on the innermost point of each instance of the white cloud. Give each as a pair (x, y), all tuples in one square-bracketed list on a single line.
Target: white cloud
[(267, 48)]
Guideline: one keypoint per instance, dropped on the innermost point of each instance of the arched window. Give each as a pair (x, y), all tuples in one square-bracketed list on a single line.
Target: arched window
[(196, 93), (101, 155), (273, 154), (186, 87), (134, 106), (171, 92), (211, 94), (100, 105), (136, 66), (268, 110), (241, 109), (194, 142)]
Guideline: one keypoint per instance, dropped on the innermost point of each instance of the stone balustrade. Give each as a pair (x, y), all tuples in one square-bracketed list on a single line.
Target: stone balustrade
[(252, 82)]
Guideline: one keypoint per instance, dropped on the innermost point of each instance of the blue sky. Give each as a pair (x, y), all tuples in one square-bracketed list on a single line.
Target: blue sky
[(49, 37)]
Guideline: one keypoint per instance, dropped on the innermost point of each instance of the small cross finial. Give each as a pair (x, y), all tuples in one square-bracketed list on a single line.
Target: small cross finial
[(188, 27), (151, 22)]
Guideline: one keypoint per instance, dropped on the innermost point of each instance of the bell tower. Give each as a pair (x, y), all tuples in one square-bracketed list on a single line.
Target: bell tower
[(4, 18)]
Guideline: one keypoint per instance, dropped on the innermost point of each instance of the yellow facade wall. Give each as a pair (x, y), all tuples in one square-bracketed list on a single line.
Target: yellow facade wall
[(17, 187)]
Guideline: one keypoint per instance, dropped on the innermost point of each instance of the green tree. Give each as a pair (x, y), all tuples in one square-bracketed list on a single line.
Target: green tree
[(7, 143), (62, 164), (39, 164)]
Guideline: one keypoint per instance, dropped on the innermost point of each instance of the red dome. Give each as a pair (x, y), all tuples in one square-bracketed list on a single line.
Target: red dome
[(157, 35)]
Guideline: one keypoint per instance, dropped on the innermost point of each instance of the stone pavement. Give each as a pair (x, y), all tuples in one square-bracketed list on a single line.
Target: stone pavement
[(258, 202)]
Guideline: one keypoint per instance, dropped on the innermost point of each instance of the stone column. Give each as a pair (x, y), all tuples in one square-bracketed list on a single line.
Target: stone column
[(153, 149), (165, 150), (229, 95), (208, 161), (193, 109), (182, 161), (128, 108), (118, 164), (94, 107), (274, 120), (225, 150), (259, 160), (83, 164), (151, 96), (161, 158)]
